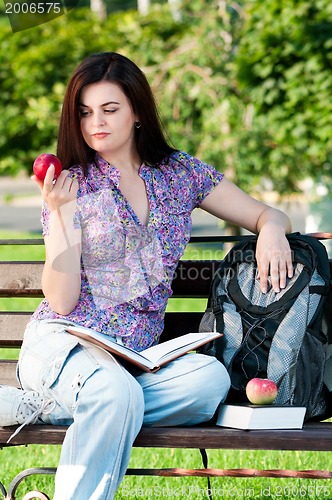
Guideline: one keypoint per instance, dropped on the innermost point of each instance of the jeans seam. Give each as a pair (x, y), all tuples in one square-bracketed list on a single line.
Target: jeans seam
[(180, 375), (116, 462)]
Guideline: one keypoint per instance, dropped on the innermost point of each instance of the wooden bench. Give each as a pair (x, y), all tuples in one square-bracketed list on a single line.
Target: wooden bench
[(22, 279)]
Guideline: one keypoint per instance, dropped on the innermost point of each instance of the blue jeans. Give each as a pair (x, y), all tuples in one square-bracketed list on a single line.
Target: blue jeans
[(105, 405)]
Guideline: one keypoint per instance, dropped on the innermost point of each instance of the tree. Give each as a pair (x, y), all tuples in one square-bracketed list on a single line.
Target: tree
[(283, 66), (248, 90), (143, 6), (99, 8), (175, 9), (33, 76), (195, 85)]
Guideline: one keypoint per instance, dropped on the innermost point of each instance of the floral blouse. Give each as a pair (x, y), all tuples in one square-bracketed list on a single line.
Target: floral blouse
[(126, 267)]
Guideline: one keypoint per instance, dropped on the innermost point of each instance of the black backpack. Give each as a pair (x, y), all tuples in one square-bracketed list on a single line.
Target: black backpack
[(280, 336)]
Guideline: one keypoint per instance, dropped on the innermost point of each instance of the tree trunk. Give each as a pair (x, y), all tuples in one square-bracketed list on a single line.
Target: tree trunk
[(174, 6), (99, 8), (143, 7)]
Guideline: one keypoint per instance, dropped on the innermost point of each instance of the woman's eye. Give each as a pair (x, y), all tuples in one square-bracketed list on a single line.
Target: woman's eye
[(110, 110), (84, 113)]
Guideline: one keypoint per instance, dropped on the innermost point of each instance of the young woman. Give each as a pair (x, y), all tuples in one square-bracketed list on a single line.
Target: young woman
[(116, 222)]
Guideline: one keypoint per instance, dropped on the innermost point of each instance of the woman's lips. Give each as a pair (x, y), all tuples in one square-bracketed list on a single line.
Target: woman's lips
[(100, 135)]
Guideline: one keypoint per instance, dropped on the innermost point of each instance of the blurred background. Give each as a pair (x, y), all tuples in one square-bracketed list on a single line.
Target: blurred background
[(245, 86)]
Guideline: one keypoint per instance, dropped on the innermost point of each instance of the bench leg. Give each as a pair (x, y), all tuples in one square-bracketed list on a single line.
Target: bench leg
[(10, 495), (279, 473), (3, 490), (35, 494)]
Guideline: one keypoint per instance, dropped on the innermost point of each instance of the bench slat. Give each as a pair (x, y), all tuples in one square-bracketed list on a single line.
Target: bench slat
[(23, 279), (8, 372), (314, 436), (12, 326), (20, 279)]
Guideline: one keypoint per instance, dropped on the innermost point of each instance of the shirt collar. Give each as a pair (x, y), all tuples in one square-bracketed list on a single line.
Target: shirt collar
[(107, 169)]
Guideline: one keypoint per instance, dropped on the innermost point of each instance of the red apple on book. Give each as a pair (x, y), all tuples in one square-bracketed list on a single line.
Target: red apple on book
[(43, 162), (261, 391)]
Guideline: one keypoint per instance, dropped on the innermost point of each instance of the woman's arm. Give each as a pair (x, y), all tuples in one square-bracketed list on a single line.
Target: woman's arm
[(61, 279), (273, 253)]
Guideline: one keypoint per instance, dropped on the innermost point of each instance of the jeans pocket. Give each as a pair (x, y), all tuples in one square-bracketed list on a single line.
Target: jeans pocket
[(45, 349), (65, 384)]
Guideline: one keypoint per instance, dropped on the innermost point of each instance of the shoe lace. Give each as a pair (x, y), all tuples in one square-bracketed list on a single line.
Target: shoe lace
[(29, 410)]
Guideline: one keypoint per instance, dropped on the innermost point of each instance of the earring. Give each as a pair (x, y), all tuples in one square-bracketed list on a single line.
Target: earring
[(138, 124)]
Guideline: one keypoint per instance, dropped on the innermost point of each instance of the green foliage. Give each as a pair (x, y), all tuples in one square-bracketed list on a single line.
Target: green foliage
[(37, 63), (283, 66), (244, 88), (194, 83), (35, 67)]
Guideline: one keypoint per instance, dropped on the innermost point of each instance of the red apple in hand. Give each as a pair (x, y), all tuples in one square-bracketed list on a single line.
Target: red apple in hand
[(43, 162), (261, 391)]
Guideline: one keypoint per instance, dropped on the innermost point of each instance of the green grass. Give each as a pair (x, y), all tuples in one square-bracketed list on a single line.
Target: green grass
[(13, 460), (19, 252)]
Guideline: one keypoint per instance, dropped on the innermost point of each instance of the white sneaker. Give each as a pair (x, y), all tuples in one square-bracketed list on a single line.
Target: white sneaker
[(21, 407)]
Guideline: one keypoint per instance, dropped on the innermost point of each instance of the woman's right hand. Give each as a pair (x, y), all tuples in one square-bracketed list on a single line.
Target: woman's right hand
[(59, 192)]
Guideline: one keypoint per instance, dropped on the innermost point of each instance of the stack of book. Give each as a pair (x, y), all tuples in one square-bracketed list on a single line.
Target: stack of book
[(250, 417)]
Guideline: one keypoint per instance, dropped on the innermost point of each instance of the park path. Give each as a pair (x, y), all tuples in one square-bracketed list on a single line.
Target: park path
[(20, 205)]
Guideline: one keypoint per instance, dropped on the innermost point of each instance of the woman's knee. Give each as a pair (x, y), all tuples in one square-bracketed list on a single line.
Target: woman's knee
[(118, 393), (208, 381), (186, 391)]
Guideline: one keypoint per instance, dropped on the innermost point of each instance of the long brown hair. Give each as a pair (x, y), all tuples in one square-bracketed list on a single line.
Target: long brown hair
[(151, 143)]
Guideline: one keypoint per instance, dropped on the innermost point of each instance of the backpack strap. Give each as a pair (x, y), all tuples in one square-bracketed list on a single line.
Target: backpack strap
[(242, 302), (317, 251)]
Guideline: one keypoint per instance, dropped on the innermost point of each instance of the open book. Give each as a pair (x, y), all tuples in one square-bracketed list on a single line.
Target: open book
[(152, 358), (249, 417)]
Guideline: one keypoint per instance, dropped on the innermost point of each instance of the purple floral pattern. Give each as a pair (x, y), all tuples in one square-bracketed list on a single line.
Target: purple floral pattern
[(119, 295)]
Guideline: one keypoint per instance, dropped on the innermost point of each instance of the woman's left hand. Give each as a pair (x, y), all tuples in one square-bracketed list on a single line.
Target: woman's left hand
[(274, 257), (273, 253)]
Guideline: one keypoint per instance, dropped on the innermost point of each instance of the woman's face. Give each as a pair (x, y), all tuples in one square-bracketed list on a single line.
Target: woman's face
[(107, 120)]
